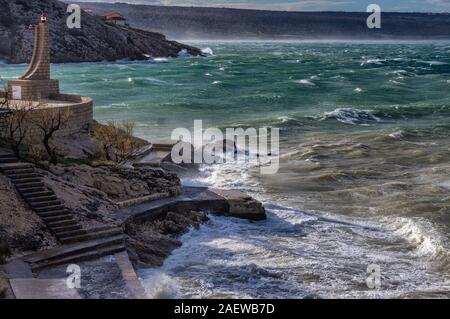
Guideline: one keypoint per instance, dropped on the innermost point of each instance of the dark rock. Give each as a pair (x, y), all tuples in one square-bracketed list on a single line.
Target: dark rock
[(150, 242)]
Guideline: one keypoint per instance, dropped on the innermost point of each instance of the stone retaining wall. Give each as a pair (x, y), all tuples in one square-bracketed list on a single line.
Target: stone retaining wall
[(80, 112), (33, 89)]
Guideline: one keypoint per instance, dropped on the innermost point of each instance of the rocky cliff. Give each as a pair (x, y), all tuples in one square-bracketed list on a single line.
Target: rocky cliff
[(95, 41)]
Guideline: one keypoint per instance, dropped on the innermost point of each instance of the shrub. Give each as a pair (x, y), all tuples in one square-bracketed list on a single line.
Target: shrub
[(118, 141), (49, 122)]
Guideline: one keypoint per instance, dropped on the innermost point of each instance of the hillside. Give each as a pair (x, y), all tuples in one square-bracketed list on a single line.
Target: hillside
[(222, 23), (95, 41)]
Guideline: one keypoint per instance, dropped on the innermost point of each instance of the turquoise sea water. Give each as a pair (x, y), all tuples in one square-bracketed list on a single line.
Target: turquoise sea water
[(364, 174)]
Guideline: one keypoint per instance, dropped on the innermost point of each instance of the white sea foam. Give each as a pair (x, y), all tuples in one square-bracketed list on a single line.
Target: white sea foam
[(305, 82), (351, 116), (285, 119), (183, 54), (159, 60), (158, 285), (425, 237), (373, 61), (207, 51)]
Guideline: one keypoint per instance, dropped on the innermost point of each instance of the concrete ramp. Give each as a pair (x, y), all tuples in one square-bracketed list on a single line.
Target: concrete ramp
[(43, 289), (160, 151)]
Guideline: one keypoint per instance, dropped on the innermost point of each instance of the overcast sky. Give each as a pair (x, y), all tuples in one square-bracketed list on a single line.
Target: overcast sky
[(307, 5)]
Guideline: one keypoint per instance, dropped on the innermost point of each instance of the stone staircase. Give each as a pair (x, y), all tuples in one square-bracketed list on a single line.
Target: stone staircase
[(92, 243)]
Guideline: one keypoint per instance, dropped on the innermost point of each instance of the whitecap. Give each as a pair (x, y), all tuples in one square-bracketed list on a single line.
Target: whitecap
[(359, 90), (207, 51), (399, 135), (351, 116), (183, 54), (285, 119), (158, 285), (217, 82), (372, 61), (424, 237), (159, 60), (305, 82)]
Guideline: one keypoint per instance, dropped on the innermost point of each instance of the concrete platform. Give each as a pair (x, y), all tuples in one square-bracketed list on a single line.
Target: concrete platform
[(42, 289), (217, 202)]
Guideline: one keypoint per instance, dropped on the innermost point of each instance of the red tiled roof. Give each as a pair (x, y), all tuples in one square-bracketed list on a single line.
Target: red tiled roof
[(113, 16)]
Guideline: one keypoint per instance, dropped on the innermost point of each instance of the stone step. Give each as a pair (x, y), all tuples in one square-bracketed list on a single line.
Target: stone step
[(33, 195), (72, 249), (60, 218), (23, 187), (49, 208), (62, 223), (19, 176), (55, 213), (50, 203), (27, 191), (6, 155), (70, 233), (39, 199), (66, 228), (10, 172), (84, 256), (23, 181), (13, 166), (93, 235), (8, 160)]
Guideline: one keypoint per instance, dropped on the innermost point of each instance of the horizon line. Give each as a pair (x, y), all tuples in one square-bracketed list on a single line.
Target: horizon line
[(251, 9)]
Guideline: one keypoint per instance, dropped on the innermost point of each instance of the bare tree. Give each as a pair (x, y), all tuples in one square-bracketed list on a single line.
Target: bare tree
[(16, 120), (118, 141), (18, 123), (49, 121)]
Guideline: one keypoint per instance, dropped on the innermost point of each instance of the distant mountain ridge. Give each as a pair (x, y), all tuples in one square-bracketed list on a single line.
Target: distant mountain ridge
[(95, 41), (223, 23)]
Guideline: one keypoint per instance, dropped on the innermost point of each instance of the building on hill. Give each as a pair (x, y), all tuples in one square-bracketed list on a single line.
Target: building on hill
[(114, 18)]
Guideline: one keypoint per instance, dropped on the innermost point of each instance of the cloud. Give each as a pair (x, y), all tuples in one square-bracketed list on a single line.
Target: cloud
[(305, 5), (444, 4), (294, 5)]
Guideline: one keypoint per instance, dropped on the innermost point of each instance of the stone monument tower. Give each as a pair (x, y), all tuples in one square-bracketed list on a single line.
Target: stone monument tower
[(36, 83)]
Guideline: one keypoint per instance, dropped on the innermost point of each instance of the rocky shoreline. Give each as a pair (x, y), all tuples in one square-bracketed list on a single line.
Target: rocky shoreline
[(95, 41), (92, 192)]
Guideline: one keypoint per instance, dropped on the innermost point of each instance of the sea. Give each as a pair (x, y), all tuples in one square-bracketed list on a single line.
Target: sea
[(360, 205)]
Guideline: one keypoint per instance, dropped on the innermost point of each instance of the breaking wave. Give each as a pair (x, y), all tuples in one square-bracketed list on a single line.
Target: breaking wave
[(207, 51), (352, 116), (426, 240)]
